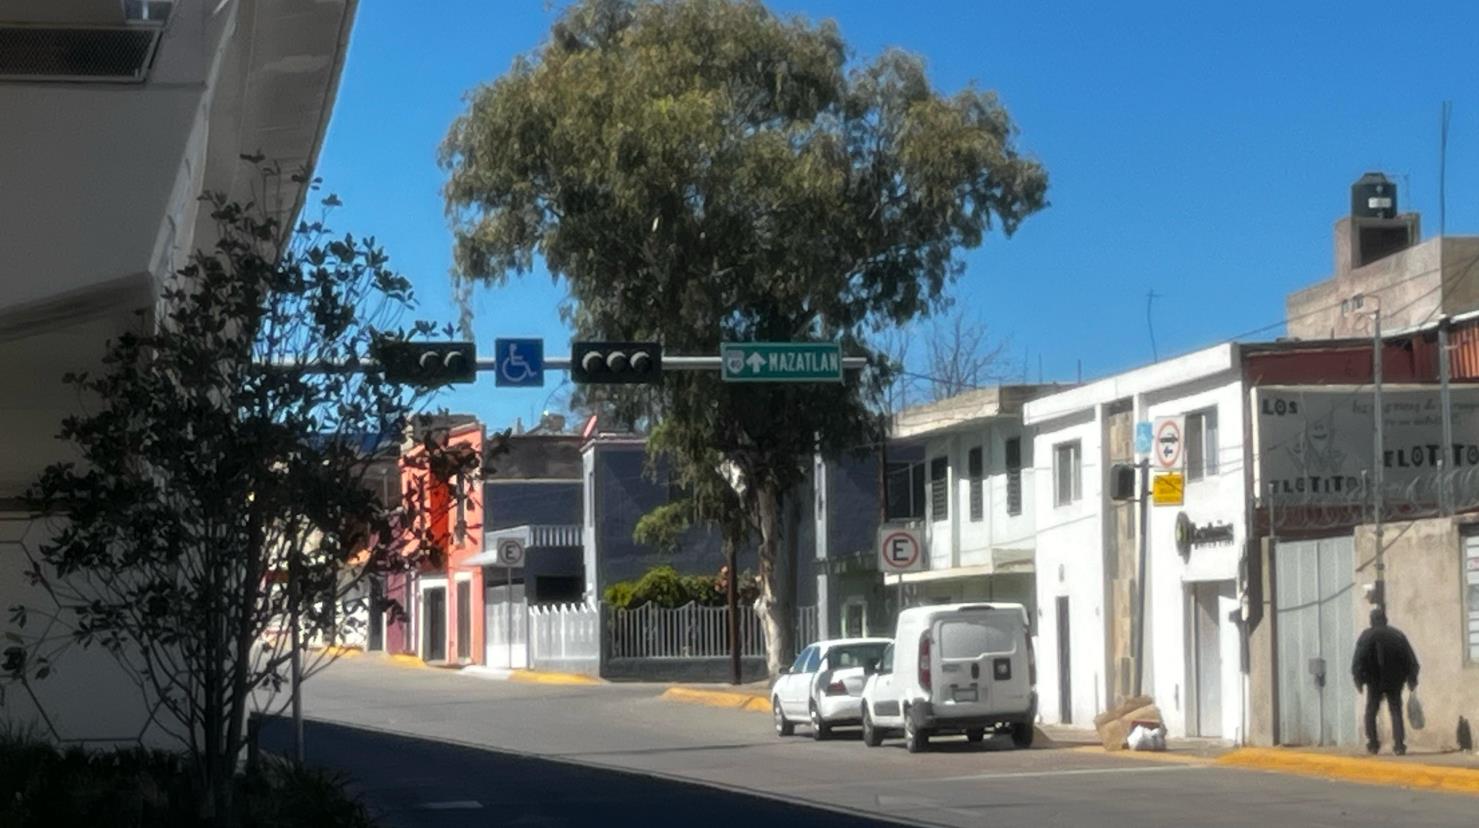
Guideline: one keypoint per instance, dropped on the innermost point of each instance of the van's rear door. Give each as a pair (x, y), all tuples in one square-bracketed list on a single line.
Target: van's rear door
[(980, 656)]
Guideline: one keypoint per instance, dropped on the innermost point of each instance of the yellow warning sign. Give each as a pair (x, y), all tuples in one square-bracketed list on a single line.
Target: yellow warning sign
[(1167, 489)]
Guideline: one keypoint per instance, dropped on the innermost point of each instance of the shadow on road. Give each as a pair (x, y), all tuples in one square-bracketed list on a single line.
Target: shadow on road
[(427, 784)]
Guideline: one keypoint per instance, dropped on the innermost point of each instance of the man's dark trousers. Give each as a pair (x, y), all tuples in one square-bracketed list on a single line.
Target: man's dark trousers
[(1374, 695)]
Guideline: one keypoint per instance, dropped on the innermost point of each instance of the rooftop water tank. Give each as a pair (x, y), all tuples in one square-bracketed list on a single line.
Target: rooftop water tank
[(1373, 196)]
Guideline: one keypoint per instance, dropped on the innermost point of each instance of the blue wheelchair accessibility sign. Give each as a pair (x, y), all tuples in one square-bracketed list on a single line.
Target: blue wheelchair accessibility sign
[(520, 362)]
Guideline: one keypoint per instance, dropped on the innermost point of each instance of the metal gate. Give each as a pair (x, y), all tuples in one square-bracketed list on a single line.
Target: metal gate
[(1315, 609)]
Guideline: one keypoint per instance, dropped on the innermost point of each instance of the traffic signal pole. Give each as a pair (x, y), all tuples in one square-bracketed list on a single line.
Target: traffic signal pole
[(558, 363), (670, 362)]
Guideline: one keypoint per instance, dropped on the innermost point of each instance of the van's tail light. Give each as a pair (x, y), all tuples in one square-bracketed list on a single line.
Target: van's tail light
[(837, 688), (1031, 663), (924, 661)]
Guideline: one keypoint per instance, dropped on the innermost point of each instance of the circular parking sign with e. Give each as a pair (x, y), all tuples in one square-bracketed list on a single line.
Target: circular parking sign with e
[(899, 550), (510, 552)]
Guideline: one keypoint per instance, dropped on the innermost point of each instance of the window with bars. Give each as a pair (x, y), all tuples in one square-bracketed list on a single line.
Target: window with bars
[(1471, 596), (1067, 473), (1201, 444), (976, 472), (939, 489), (1014, 475)]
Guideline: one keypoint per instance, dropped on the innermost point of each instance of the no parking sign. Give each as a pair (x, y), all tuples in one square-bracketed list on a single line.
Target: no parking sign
[(899, 550)]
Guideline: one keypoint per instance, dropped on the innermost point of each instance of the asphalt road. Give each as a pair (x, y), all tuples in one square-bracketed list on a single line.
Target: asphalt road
[(628, 728)]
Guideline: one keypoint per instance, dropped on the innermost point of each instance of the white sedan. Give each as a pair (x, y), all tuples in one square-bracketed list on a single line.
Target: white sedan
[(824, 686)]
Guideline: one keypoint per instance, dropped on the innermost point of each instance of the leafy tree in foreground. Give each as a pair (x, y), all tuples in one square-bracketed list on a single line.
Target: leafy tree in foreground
[(700, 171), (221, 495)]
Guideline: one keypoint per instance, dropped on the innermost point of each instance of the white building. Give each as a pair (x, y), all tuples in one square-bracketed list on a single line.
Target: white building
[(116, 117), (1087, 547), (978, 517)]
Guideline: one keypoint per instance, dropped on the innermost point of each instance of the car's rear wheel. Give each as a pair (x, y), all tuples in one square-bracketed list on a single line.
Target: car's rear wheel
[(820, 730), (915, 740), (1022, 733), (782, 727), (872, 736), (975, 734)]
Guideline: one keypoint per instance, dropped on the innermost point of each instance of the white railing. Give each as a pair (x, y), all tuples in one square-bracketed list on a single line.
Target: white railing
[(693, 631), (561, 635), (808, 626), (505, 641)]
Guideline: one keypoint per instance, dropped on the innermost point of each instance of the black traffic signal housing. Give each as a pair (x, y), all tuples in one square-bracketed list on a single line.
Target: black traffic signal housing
[(615, 362), (427, 364), (1122, 482)]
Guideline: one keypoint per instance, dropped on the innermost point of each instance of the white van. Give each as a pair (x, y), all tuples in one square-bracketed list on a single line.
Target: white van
[(954, 668)]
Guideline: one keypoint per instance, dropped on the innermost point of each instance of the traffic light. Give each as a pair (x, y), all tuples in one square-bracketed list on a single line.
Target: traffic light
[(615, 362), (428, 363)]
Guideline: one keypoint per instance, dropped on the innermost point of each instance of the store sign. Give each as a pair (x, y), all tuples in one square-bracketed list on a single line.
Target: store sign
[(1314, 443), (1191, 535)]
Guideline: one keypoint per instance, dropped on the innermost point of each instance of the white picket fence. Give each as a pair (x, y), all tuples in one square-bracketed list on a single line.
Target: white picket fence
[(693, 631), (565, 637)]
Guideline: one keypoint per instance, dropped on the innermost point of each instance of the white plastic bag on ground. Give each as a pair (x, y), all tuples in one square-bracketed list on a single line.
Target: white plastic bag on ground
[(1147, 738)]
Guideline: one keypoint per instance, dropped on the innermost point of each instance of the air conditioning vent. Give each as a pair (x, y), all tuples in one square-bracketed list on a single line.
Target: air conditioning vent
[(116, 54)]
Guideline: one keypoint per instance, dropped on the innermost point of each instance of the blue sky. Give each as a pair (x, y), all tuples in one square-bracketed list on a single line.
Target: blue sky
[(1199, 151)]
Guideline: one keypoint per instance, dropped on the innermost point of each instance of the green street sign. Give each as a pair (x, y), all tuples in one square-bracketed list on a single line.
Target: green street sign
[(781, 362)]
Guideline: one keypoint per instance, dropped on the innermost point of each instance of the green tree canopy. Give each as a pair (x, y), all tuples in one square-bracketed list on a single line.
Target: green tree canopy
[(700, 171)]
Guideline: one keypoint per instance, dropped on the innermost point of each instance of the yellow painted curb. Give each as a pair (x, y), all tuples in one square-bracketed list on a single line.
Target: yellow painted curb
[(340, 652), (406, 660), (540, 677), (718, 698), (1144, 755), (1355, 769)]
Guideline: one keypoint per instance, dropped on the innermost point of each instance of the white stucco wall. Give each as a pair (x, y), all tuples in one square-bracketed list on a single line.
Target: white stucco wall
[(960, 541), (1217, 498), (1070, 562), (1070, 549)]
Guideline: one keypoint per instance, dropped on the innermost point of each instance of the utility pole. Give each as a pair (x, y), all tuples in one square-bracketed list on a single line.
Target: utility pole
[(1138, 643), (731, 602), (297, 662), (1380, 460), (1445, 483)]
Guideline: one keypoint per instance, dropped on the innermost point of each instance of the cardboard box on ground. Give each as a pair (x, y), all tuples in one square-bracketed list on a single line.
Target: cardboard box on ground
[(1114, 725)]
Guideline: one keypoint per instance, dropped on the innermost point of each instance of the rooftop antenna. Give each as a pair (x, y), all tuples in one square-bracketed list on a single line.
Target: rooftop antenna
[(1150, 296), (1446, 112)]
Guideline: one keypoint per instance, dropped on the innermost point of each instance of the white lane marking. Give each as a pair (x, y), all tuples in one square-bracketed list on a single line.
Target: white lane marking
[(454, 805), (986, 777)]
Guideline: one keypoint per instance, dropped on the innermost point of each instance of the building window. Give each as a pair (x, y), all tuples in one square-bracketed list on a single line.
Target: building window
[(462, 495), (1471, 595), (854, 615), (1067, 473), (1201, 444), (973, 467), (1014, 476), (905, 491), (939, 489)]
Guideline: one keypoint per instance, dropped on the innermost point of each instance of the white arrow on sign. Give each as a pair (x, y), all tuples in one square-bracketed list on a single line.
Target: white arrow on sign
[(756, 362)]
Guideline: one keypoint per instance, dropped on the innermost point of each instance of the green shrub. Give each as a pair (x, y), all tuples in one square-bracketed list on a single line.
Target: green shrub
[(663, 586)]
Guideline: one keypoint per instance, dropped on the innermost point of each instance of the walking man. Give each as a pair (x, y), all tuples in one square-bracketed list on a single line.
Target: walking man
[(1384, 661)]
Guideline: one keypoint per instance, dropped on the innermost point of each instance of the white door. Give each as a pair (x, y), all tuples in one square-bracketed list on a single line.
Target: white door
[(1205, 635), (979, 663), (885, 708), (793, 687)]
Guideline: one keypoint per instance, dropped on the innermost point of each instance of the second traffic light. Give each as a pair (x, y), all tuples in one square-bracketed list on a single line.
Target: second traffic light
[(428, 364), (615, 362)]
